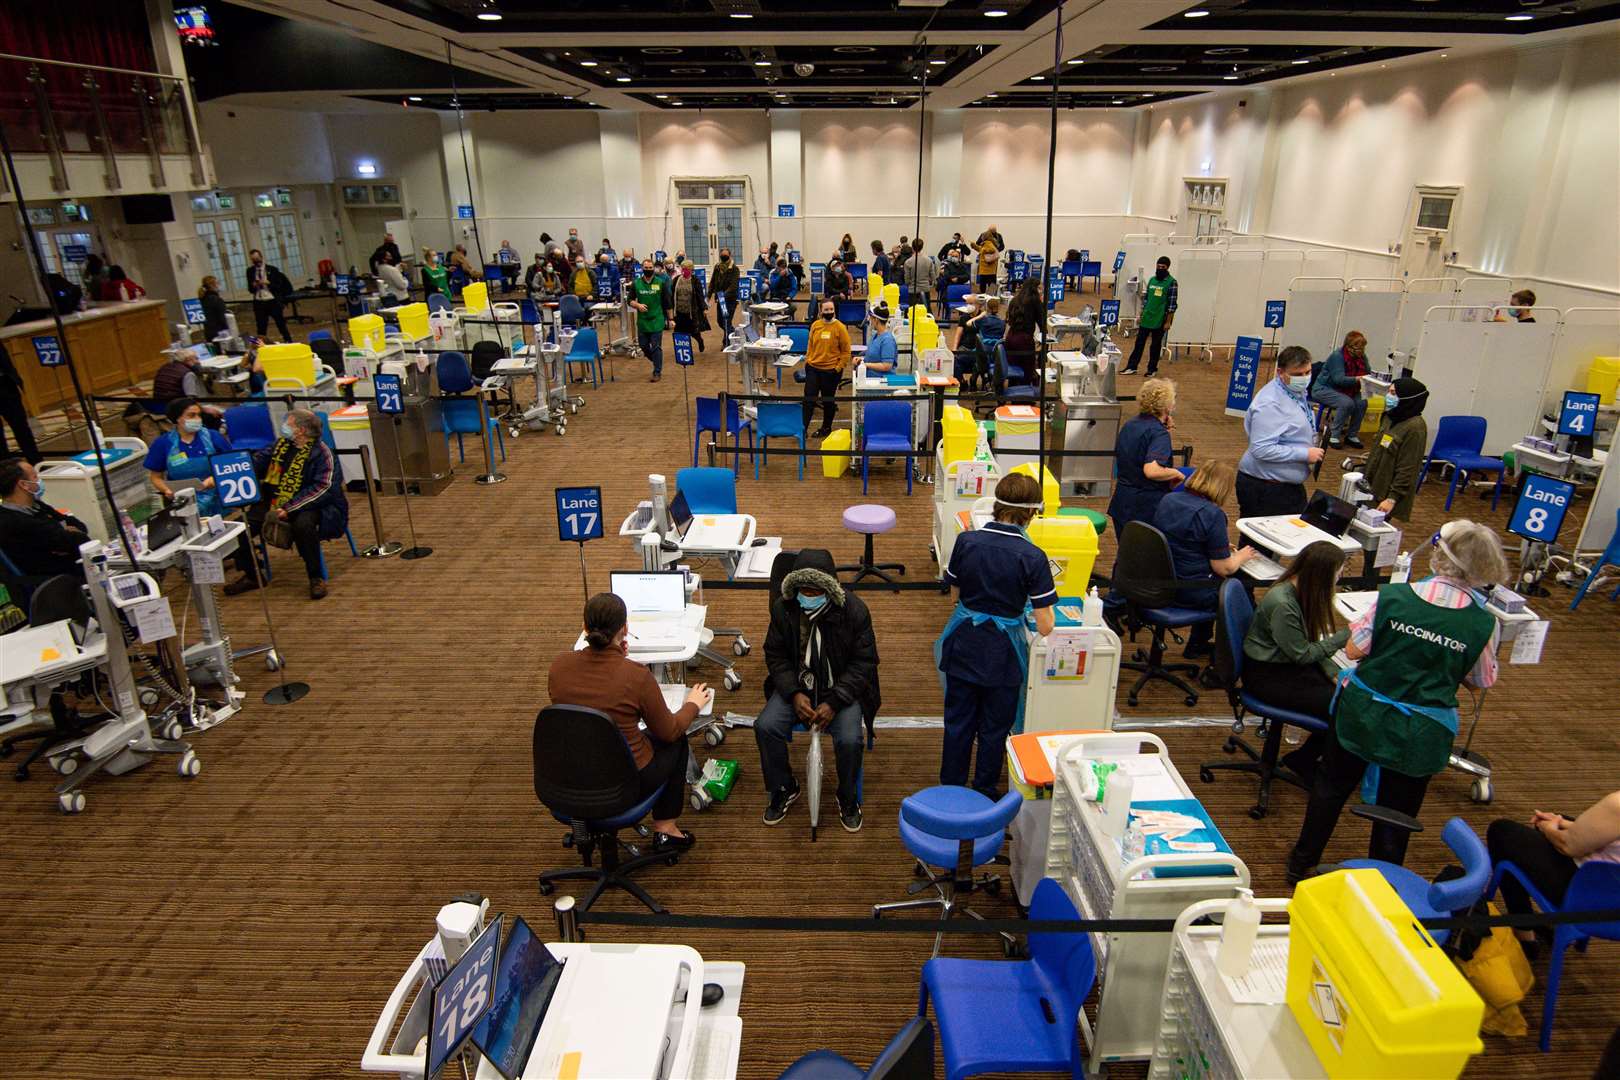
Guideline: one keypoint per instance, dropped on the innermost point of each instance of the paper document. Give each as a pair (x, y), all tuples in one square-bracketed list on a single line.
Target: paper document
[(154, 620), (1267, 980), (1527, 646), (207, 569), (1389, 545)]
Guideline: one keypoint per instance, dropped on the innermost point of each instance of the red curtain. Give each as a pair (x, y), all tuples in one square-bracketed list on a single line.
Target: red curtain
[(109, 33)]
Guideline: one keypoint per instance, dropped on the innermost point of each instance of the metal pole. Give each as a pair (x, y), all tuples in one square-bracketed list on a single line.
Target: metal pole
[(1046, 264), (415, 551), (567, 919), (287, 692), (382, 549), (583, 580), (687, 394), (490, 475)]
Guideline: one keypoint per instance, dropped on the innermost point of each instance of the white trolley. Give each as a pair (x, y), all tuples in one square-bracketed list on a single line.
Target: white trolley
[(1089, 865), (1204, 1032)]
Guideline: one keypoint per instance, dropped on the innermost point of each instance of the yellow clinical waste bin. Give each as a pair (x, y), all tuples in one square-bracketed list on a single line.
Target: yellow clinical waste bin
[(834, 465), (1603, 376), (891, 297), (294, 360), (413, 321), (1070, 544), (1373, 993), (365, 332), (1049, 487), (475, 296), (874, 288), (1375, 414), (960, 434)]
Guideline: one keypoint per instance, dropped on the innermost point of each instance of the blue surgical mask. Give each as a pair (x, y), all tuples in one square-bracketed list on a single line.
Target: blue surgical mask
[(286, 430), (39, 490), (1299, 383), (812, 603), (1390, 401), (191, 426)]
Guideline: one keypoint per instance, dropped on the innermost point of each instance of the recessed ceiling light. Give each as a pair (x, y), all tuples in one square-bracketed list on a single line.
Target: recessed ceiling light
[(1443, 56), (741, 15), (995, 13), (1197, 13), (686, 71), (587, 63), (622, 78), (937, 63), (661, 97), (414, 97), (489, 16), (989, 95), (1118, 102), (762, 63), (1227, 50), (1297, 63), (1158, 68), (660, 50), (1521, 17), (1229, 78), (854, 49), (1037, 78)]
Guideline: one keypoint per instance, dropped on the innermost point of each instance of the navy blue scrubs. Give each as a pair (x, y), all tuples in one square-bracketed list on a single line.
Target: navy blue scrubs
[(997, 572), (1141, 440), (1196, 529)]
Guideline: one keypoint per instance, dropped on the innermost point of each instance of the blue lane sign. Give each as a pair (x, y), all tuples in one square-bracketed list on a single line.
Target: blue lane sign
[(463, 997), (343, 284), (234, 479), (604, 286), (702, 277), (49, 351), (660, 255), (1109, 315), (683, 349), (579, 513), (464, 210), (1017, 271), (1016, 255), (1579, 414), (784, 209), (1119, 260), (818, 277), (857, 271), (1054, 290), (1540, 511), (390, 399), (194, 312), (795, 258), (75, 252), (1245, 369), (1275, 311), (745, 289)]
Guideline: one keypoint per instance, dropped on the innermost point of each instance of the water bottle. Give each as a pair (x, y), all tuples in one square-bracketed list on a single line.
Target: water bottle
[(1403, 568), (1091, 612), (1135, 842), (1239, 928), (1117, 803)]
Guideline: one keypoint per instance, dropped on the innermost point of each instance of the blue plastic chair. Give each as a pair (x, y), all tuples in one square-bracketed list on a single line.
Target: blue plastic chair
[(708, 490), (529, 312), (955, 829), (437, 302), (909, 1053), (1091, 268), (1439, 899), (459, 416), (586, 350), (317, 335), (248, 427), (708, 419), (955, 294), (1458, 441), (1072, 269), (852, 313), (570, 310), (1236, 615), (779, 419), (1595, 887), (1015, 1016), (886, 428), (1008, 380), (1611, 557)]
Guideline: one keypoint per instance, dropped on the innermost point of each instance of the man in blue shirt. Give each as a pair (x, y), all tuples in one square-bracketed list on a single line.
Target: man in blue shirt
[(1282, 441), (983, 653)]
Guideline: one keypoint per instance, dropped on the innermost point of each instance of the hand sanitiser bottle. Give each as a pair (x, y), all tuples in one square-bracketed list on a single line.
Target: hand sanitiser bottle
[(1117, 802), (1091, 611), (1239, 928)]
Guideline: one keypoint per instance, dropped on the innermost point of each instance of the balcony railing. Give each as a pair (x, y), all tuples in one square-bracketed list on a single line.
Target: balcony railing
[(58, 109)]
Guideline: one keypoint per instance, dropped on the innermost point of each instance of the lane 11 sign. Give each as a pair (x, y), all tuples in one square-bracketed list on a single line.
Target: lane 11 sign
[(1539, 513), (1579, 414), (579, 513), (234, 479)]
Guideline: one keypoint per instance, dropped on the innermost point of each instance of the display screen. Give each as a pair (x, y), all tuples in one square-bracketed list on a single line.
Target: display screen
[(525, 981)]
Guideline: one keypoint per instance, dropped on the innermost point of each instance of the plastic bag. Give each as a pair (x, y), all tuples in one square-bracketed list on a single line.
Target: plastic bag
[(1501, 974), (717, 778)]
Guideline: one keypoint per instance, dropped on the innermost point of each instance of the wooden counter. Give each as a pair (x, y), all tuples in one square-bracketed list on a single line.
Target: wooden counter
[(114, 345)]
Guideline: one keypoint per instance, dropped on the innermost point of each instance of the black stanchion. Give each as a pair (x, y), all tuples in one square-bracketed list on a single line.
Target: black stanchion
[(382, 549), (416, 550), (287, 692)]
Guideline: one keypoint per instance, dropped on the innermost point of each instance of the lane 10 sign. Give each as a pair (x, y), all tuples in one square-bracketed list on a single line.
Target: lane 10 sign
[(1579, 414), (1540, 511), (579, 513), (234, 479), (1109, 313), (1275, 312), (390, 399)]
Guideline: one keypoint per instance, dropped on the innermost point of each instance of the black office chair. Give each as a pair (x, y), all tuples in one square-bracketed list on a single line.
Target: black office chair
[(586, 776), (329, 352), (55, 599), (1145, 574)]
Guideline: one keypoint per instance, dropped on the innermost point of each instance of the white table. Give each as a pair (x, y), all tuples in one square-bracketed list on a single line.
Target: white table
[(1287, 535), (686, 647)]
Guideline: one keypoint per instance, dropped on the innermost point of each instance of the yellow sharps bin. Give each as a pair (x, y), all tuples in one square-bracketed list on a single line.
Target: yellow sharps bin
[(1049, 488), (1373, 993), (475, 296), (1070, 543), (959, 434), (293, 360), (365, 332), (413, 321)]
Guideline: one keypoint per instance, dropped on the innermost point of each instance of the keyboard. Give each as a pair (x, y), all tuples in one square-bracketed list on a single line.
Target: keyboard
[(715, 1050), (1263, 569), (1278, 535)]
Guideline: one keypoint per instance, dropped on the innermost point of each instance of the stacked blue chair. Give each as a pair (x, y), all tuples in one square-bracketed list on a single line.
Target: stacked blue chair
[(909, 1054), (1610, 557), (248, 427), (1458, 441), (708, 490), (438, 302)]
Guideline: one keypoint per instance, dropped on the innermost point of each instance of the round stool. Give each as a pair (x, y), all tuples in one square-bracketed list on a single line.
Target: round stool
[(869, 519)]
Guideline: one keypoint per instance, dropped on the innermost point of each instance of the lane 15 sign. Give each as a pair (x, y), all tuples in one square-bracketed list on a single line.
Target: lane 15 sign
[(579, 513), (683, 349)]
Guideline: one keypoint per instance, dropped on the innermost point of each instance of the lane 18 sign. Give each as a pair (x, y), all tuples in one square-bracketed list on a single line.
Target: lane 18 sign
[(579, 513)]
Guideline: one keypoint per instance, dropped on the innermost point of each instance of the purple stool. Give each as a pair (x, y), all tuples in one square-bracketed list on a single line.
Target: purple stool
[(870, 519)]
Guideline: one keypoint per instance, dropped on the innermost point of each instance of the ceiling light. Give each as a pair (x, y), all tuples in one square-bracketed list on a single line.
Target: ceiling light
[(366, 168), (1038, 78), (660, 50), (762, 63), (414, 97), (489, 16), (1197, 13), (989, 95), (1297, 63), (661, 97), (995, 13), (622, 78), (1076, 61), (936, 63), (1521, 17), (739, 15), (1227, 50), (1229, 78), (1118, 102), (587, 63)]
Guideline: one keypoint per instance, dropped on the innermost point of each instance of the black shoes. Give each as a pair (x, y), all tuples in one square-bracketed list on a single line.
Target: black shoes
[(246, 583), (850, 817), (1353, 442), (1198, 652), (663, 842), (822, 433), (780, 801)]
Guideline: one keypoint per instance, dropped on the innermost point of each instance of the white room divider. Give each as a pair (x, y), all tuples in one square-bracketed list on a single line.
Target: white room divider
[(1372, 306), (1584, 333), (1483, 291), (1325, 262), (1282, 266), (1142, 250), (1599, 523), (1198, 279), (1240, 309), (1474, 367), (1313, 314), (1421, 295)]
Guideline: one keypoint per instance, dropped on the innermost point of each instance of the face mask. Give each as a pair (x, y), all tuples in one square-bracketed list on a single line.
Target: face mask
[(1161, 273), (646, 275), (1299, 383), (286, 430), (812, 603), (725, 258), (827, 316), (1390, 401), (191, 426), (39, 489), (686, 271)]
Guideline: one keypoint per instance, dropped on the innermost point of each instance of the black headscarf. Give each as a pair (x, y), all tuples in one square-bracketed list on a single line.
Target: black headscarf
[(1412, 396)]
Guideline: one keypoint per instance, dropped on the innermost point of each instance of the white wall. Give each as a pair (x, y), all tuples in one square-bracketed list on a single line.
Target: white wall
[(255, 147), (722, 143), (405, 145), (536, 177)]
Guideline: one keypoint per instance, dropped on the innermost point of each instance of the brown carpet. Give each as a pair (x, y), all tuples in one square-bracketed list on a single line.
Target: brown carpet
[(251, 922)]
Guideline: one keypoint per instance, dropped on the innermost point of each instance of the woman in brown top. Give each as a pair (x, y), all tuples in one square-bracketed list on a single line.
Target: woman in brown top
[(601, 676)]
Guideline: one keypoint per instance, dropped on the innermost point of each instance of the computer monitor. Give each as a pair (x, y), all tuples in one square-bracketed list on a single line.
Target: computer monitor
[(1329, 513), (680, 513), (525, 981), (650, 592)]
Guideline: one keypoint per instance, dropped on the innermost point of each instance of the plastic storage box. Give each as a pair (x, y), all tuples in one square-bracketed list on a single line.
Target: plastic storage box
[(1018, 434), (367, 332), (1373, 993), (75, 486), (1071, 545), (295, 361), (1603, 376)]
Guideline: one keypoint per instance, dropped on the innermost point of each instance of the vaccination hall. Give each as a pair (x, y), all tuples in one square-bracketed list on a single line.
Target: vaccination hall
[(714, 539)]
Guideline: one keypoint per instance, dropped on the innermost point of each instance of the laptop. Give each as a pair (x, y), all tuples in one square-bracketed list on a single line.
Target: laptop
[(680, 514), (1329, 513), (526, 978), (656, 600)]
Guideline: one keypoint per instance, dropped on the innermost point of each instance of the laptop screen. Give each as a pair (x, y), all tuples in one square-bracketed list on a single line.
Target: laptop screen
[(680, 514), (525, 981), (650, 592), (1329, 513)]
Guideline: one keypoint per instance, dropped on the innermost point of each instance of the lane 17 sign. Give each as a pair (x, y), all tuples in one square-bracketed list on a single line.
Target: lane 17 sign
[(579, 513)]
